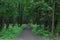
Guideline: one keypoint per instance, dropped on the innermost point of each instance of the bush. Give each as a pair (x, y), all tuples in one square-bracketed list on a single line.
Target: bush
[(11, 33), (40, 30), (58, 28), (23, 26)]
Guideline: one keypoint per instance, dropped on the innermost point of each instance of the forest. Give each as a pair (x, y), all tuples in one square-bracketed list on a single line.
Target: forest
[(43, 16)]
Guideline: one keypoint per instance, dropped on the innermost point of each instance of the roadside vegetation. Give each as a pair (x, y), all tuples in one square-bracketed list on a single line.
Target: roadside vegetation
[(12, 32)]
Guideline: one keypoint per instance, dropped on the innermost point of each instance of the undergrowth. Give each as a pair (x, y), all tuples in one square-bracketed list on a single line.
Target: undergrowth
[(11, 33), (39, 30)]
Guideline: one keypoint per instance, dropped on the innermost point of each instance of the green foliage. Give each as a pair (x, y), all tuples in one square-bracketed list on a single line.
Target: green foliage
[(40, 30), (23, 26), (52, 38), (58, 28), (11, 33), (30, 10)]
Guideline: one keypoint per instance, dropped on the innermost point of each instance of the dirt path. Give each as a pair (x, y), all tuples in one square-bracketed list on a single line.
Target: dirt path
[(28, 35)]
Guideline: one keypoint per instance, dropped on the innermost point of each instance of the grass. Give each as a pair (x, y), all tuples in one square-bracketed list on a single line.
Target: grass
[(11, 33)]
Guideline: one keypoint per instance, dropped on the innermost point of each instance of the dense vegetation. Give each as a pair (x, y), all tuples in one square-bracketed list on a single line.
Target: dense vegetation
[(12, 32), (42, 14)]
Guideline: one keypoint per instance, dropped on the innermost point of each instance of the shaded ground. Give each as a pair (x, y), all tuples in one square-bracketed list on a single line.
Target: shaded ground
[(28, 35)]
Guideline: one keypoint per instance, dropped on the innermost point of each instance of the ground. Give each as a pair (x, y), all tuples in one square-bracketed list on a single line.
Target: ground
[(27, 34)]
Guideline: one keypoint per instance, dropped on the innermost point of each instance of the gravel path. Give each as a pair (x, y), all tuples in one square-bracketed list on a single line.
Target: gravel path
[(28, 35)]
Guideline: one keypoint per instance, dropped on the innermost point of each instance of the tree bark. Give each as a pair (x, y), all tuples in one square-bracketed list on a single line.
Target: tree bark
[(53, 17)]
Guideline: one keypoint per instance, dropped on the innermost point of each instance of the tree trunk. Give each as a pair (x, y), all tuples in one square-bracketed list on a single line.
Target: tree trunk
[(53, 12), (14, 22), (20, 14), (1, 23), (53, 17), (7, 23)]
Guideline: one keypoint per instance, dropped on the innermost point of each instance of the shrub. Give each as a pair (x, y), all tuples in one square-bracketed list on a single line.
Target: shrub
[(11, 33), (40, 30)]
